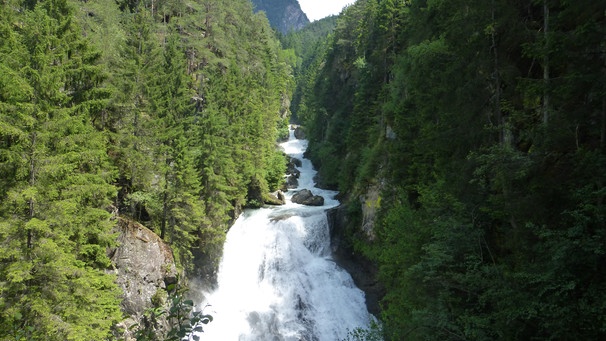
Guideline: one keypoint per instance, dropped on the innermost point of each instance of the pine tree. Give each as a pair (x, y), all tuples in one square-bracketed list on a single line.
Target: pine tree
[(55, 227), (133, 139), (492, 223), (182, 216)]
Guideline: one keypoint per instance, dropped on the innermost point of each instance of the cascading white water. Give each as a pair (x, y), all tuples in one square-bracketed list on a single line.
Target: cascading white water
[(277, 281)]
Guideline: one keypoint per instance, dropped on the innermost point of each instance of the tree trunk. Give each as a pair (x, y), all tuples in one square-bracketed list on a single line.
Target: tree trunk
[(164, 208), (497, 80), (603, 129), (546, 63), (32, 182)]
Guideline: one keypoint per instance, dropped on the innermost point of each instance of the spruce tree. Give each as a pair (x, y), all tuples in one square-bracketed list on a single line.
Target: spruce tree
[(55, 228), (182, 216), (133, 139)]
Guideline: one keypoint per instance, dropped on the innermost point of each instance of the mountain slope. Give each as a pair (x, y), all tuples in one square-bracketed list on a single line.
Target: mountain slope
[(283, 15), (467, 140), (163, 114)]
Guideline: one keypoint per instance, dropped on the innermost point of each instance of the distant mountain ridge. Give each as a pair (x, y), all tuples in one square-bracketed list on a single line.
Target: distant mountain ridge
[(283, 15)]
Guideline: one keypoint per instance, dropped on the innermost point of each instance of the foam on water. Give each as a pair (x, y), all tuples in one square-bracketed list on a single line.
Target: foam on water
[(277, 280)]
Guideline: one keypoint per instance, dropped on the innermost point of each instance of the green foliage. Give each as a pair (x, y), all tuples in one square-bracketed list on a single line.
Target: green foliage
[(180, 315), (275, 172), (192, 120), (166, 120), (374, 333), (484, 120), (54, 226), (305, 50)]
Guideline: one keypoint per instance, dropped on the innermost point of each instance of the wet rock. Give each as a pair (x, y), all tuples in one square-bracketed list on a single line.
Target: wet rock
[(301, 196), (296, 162), (362, 270), (315, 200), (306, 197), (292, 174), (292, 182), (291, 167), (275, 198), (299, 133)]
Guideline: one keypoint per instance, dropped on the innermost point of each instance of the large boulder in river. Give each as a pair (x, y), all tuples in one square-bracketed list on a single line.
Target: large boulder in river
[(301, 196), (306, 197), (291, 181), (291, 167), (292, 173), (275, 198), (299, 133), (296, 162), (315, 200)]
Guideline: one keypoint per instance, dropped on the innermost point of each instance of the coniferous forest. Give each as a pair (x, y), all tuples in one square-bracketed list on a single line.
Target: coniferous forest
[(164, 112), (478, 126), (482, 126)]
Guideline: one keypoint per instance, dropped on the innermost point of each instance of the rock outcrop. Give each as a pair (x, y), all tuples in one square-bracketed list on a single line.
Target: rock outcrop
[(306, 197), (283, 15), (275, 198), (362, 270), (299, 133), (370, 203), (144, 266), (291, 182), (292, 173), (293, 163)]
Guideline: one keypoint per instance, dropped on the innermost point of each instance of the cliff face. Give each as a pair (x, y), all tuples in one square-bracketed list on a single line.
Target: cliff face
[(362, 270), (283, 15), (143, 264)]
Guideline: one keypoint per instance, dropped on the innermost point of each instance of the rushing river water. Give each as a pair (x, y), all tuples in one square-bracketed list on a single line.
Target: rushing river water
[(277, 280)]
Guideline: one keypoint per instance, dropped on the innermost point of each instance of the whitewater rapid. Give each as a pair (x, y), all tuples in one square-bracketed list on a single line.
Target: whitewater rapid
[(277, 280)]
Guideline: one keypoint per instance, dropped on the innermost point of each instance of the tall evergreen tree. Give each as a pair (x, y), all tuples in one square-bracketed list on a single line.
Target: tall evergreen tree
[(132, 118), (182, 215), (482, 122), (55, 227)]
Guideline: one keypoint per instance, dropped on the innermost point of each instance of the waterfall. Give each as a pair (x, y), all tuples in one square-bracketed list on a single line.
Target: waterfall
[(277, 280)]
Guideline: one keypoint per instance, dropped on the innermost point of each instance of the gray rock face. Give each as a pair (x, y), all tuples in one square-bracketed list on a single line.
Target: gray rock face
[(301, 196), (370, 202), (306, 197), (143, 264), (292, 170), (299, 133), (362, 270), (315, 200), (283, 15)]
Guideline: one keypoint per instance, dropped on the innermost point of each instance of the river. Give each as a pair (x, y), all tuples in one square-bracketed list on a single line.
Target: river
[(277, 280)]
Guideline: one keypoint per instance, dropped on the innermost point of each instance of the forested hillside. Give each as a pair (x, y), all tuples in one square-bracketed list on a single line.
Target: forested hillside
[(165, 112), (482, 126), (306, 48)]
